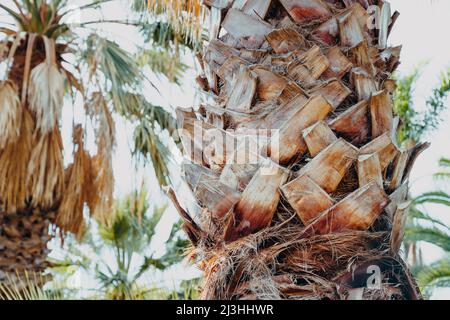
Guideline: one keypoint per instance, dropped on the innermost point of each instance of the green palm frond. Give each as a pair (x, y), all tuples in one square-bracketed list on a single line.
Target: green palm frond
[(415, 213), (415, 124), (436, 103), (120, 70), (163, 35), (431, 235), (435, 197), (175, 246), (442, 175), (444, 163), (163, 62), (436, 275), (132, 228), (161, 117), (131, 233), (403, 101), (123, 79), (148, 141)]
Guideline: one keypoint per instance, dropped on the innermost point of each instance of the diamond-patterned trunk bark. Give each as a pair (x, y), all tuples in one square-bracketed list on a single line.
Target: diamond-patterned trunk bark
[(330, 199), (23, 243)]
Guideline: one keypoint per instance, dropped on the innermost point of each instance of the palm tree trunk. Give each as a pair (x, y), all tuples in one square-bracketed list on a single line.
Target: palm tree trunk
[(324, 196), (23, 243)]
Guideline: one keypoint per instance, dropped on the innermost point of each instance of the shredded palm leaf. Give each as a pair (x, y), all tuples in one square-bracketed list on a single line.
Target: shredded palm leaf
[(10, 113)]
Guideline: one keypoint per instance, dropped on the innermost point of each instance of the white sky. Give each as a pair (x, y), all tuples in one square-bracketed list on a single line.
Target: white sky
[(422, 28)]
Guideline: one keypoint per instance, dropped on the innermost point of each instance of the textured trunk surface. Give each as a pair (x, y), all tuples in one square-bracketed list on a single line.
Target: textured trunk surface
[(321, 215), (23, 243)]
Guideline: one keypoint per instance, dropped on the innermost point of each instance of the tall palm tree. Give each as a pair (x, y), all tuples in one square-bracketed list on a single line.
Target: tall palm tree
[(319, 212), (48, 58)]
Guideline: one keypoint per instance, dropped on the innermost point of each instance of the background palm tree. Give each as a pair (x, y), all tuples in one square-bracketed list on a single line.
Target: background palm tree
[(127, 239), (118, 258), (423, 227), (414, 125), (318, 73), (48, 59)]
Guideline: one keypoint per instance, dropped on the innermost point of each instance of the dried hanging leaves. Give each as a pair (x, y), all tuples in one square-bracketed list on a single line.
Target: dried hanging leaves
[(78, 177), (14, 159), (46, 92), (10, 113), (101, 194), (46, 170)]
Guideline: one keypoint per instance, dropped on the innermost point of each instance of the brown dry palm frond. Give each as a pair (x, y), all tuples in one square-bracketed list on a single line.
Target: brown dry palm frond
[(14, 159), (101, 192), (46, 169), (10, 113), (78, 178), (257, 267), (185, 16), (327, 253), (46, 92)]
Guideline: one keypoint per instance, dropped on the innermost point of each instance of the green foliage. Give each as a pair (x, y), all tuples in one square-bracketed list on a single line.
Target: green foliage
[(403, 101), (436, 197), (415, 124), (148, 142), (162, 34), (164, 62), (164, 49), (129, 235), (444, 173), (189, 290), (120, 72), (431, 235), (423, 227), (39, 17), (436, 275), (170, 29), (101, 67)]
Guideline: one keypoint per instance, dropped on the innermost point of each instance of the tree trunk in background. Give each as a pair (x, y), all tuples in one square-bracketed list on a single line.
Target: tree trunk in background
[(29, 254), (321, 215)]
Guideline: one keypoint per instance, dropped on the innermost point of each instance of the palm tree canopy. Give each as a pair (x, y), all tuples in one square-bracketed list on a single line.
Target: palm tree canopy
[(86, 63), (424, 227)]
